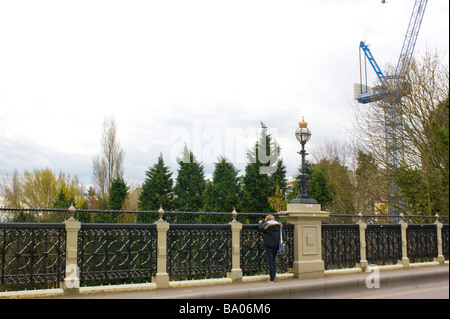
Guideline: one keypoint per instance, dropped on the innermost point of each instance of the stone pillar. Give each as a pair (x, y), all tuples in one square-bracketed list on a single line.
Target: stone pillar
[(362, 245), (71, 283), (307, 220), (440, 258), (405, 259), (236, 272), (161, 279)]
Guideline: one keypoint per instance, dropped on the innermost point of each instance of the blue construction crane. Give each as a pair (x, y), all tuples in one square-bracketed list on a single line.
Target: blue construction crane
[(391, 87), (404, 59)]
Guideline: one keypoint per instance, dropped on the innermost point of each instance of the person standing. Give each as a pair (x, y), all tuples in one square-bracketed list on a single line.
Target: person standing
[(271, 230)]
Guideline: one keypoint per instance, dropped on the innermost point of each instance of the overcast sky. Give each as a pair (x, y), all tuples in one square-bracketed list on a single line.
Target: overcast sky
[(205, 73)]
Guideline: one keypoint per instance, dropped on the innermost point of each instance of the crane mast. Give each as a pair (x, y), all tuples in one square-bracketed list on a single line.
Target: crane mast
[(389, 92)]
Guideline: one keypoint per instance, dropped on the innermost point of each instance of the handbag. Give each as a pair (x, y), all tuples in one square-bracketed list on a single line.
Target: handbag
[(281, 247)]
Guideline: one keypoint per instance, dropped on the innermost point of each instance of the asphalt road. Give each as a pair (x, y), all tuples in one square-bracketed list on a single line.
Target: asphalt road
[(437, 292)]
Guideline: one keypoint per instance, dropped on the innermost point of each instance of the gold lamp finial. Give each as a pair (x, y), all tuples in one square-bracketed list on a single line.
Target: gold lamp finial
[(303, 123)]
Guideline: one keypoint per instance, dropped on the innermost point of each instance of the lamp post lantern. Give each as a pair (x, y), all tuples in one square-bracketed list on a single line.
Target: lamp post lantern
[(303, 134)]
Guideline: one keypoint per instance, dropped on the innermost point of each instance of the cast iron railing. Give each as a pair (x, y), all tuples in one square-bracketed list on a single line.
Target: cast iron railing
[(116, 253), (422, 242), (340, 245), (445, 241), (253, 254), (32, 255), (384, 243), (198, 250)]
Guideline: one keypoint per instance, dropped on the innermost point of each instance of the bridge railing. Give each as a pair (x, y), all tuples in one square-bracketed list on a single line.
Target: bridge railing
[(42, 255)]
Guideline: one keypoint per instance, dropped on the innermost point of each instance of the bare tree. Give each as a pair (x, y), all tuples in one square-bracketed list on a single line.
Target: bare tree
[(108, 165), (11, 190), (422, 161)]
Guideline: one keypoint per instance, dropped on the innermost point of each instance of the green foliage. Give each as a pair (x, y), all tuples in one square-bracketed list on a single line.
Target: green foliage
[(24, 217), (190, 183), (117, 195), (63, 201), (318, 186), (223, 194), (425, 185), (157, 190), (263, 173)]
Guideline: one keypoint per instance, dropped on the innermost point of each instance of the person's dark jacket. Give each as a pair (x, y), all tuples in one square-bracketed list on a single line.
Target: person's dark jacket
[(271, 233)]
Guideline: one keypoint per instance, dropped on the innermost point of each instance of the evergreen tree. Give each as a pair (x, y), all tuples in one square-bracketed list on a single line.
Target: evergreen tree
[(223, 194), (157, 189), (190, 183), (263, 173), (117, 195), (318, 186), (63, 201), (331, 186)]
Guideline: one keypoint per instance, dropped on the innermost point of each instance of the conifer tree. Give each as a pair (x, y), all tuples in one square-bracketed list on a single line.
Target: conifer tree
[(190, 183), (117, 193), (263, 173), (157, 189), (223, 194), (63, 201)]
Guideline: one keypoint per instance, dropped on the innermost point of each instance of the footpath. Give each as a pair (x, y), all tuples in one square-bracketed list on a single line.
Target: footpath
[(332, 286), (349, 283)]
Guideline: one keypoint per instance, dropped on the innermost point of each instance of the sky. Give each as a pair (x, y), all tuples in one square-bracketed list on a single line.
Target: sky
[(201, 73)]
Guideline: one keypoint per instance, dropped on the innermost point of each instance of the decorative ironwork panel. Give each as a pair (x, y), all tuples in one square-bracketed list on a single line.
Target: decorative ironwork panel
[(340, 245), (113, 252), (31, 255), (198, 249), (445, 241), (422, 242), (286, 261), (383, 243), (253, 253)]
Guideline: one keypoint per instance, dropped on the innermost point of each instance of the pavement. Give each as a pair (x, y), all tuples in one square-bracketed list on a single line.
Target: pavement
[(353, 285)]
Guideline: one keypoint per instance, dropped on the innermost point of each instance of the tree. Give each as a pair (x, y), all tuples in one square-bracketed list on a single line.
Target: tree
[(11, 190), (370, 184), (263, 173), (109, 165), (118, 193), (318, 186), (423, 153), (223, 194), (331, 186), (190, 183), (63, 201), (39, 188), (157, 189), (277, 202), (116, 198)]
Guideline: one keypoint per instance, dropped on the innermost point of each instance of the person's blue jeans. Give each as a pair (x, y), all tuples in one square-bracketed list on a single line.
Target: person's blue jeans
[(271, 255)]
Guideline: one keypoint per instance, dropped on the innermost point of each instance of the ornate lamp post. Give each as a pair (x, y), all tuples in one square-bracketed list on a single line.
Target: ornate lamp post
[(303, 134)]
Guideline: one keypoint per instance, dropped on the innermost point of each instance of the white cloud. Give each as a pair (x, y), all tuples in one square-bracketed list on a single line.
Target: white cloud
[(162, 66)]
